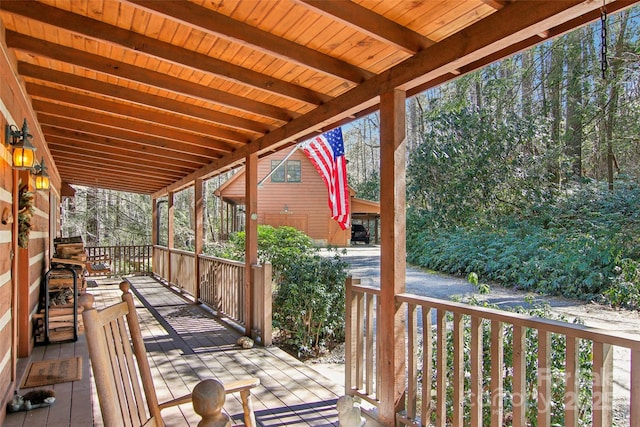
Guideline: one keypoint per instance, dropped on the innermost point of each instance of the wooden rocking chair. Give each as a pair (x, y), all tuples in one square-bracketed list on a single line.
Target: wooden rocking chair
[(112, 349)]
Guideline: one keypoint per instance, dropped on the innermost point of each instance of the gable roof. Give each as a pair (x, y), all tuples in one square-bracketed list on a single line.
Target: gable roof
[(299, 155)]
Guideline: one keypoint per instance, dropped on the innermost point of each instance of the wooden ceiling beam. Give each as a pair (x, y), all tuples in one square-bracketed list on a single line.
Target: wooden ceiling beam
[(96, 168), (129, 110), (510, 25), (126, 135), (496, 4), (114, 168), (102, 143), (149, 46), (215, 23), (89, 179), (112, 186), (126, 94), (149, 129), (143, 76), (370, 23), (69, 152)]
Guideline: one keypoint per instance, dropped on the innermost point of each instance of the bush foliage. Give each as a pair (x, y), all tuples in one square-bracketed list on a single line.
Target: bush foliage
[(308, 303), (573, 245)]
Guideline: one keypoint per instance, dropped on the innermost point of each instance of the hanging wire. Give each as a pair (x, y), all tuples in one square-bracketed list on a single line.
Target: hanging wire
[(604, 65)]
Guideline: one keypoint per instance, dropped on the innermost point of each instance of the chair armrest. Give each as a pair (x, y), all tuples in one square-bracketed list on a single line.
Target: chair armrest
[(229, 387), (242, 386), (175, 402)]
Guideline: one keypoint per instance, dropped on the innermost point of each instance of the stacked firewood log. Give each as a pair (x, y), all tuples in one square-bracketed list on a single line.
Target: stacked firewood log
[(56, 316)]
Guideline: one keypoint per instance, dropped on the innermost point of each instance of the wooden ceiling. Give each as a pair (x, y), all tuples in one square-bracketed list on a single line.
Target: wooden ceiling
[(147, 95)]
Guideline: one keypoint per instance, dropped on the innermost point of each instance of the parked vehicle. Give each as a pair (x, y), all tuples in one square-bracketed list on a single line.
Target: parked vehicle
[(359, 234)]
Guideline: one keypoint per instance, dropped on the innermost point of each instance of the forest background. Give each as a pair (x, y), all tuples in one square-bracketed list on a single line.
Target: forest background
[(524, 173)]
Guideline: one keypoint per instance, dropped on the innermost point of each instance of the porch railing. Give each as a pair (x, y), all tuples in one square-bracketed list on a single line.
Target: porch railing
[(445, 361), (119, 260), (220, 286)]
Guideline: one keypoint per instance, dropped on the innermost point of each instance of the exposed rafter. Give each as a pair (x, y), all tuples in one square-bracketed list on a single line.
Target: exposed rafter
[(103, 32), (209, 21), (142, 98), (147, 96), (372, 24), (143, 75)]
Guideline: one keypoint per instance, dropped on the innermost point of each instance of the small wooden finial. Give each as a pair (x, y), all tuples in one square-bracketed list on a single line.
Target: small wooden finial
[(208, 398), (125, 286), (86, 301)]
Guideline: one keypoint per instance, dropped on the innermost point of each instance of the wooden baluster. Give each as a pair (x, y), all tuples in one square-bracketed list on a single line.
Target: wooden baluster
[(476, 371), (544, 378), (369, 343), (441, 369), (519, 376), (427, 366), (634, 399), (349, 335), (497, 370), (458, 370), (602, 384), (360, 341), (412, 364), (571, 383)]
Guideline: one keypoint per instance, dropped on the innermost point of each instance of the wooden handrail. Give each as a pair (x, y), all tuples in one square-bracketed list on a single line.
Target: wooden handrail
[(549, 325), (457, 371)]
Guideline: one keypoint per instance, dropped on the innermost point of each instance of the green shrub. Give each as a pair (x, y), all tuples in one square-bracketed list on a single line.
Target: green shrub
[(625, 287), (571, 246), (308, 306), (280, 246), (308, 303)]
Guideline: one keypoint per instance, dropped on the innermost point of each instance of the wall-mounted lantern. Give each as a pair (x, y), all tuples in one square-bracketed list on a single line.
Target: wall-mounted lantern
[(20, 140)]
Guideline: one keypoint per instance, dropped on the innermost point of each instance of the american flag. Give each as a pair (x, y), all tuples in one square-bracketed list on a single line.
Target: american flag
[(326, 152)]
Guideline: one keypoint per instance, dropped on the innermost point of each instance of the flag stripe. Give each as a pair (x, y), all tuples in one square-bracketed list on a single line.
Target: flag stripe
[(326, 152)]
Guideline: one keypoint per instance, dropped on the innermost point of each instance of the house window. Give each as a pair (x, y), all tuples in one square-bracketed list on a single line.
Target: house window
[(280, 173), (293, 171), (289, 172)]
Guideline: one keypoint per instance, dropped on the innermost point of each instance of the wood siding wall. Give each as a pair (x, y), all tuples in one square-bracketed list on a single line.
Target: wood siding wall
[(302, 205), (20, 285)]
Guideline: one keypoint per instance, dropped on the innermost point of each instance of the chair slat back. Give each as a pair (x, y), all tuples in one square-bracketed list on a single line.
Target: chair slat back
[(120, 364)]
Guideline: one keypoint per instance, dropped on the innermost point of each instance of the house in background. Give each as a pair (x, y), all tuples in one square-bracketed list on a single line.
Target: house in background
[(295, 195)]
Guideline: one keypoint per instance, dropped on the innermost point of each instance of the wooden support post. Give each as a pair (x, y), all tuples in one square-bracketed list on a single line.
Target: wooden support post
[(391, 339), (198, 221), (170, 234), (251, 236), (154, 221), (22, 275)]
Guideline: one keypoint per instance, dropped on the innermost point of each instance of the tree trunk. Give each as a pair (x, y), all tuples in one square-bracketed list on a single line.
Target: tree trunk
[(573, 135), (614, 94), (92, 217), (555, 89)]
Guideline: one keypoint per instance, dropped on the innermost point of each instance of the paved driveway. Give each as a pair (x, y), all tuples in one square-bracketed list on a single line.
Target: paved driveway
[(364, 262)]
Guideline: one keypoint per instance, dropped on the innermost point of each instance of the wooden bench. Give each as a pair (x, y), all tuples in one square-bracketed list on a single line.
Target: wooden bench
[(98, 265)]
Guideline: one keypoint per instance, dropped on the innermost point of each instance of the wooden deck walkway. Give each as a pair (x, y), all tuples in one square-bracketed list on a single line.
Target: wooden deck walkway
[(185, 344)]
